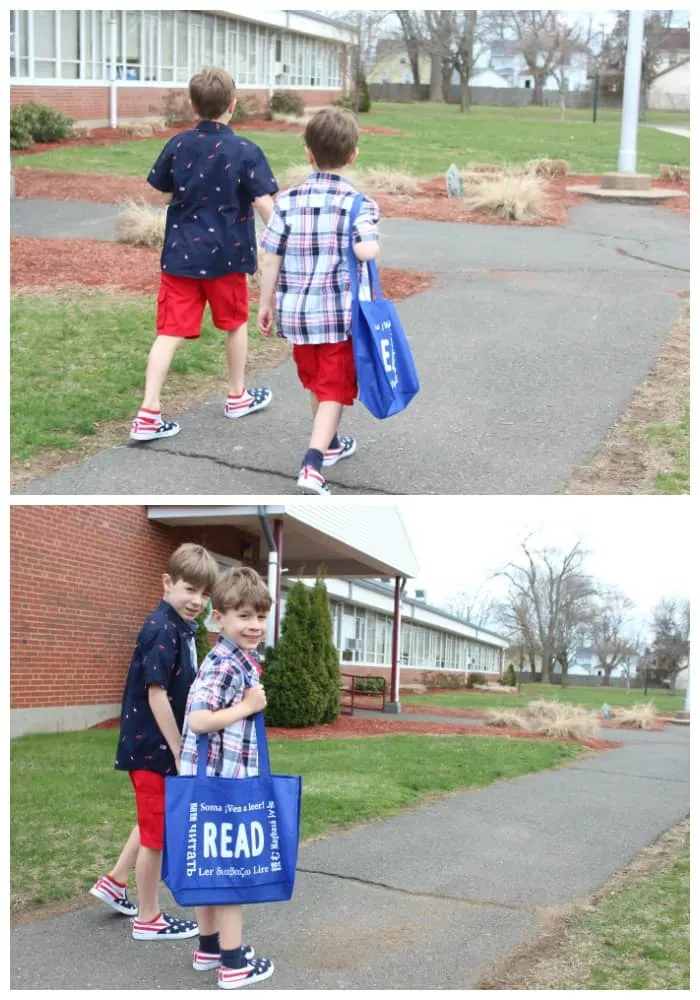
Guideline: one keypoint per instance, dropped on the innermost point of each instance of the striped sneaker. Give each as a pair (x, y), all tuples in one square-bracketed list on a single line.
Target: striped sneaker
[(312, 481), (346, 447), (164, 928), (249, 401), (254, 971), (204, 961), (148, 426), (114, 894)]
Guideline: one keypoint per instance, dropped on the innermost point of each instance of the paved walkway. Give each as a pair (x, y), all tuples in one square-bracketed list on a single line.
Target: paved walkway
[(427, 900), (529, 344)]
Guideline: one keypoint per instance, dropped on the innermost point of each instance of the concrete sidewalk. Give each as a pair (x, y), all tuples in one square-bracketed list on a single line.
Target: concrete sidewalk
[(430, 899), (529, 344)]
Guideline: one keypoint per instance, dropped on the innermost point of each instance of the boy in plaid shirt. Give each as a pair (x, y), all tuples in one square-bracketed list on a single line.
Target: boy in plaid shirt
[(225, 695), (306, 264)]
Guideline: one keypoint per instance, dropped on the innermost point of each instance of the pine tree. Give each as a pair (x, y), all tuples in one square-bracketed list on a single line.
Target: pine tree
[(201, 639), (325, 651), (296, 697)]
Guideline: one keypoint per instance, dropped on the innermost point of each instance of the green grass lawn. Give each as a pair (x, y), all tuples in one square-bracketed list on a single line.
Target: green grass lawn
[(80, 358), (675, 440), (437, 135), (70, 811), (588, 697)]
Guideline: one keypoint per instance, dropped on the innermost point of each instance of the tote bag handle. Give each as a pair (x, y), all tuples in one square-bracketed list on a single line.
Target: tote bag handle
[(354, 264), (261, 737)]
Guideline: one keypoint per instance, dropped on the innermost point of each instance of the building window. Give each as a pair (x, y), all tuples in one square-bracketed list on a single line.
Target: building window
[(19, 43), (45, 43)]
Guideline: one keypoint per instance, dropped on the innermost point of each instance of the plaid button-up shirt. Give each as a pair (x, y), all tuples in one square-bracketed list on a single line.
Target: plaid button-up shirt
[(309, 229), (220, 683)]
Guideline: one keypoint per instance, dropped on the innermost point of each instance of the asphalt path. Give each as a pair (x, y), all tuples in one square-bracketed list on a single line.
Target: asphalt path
[(529, 343), (429, 899)]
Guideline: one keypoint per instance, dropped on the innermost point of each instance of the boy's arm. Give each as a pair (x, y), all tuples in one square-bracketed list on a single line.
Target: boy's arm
[(366, 251), (265, 205), (206, 720), (365, 242), (271, 265), (165, 720)]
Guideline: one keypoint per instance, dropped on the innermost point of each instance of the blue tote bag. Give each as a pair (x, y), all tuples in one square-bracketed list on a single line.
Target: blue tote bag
[(231, 840), (386, 373)]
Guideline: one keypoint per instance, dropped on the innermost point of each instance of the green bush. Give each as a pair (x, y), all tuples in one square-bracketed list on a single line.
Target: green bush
[(509, 678), (177, 109), (371, 685), (347, 102), (473, 680), (20, 136), (321, 628), (201, 639), (294, 679), (442, 679), (286, 102), (41, 122), (365, 99)]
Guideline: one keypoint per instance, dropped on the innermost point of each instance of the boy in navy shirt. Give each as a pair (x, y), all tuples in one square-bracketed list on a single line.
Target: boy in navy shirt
[(209, 247), (162, 670), (306, 283)]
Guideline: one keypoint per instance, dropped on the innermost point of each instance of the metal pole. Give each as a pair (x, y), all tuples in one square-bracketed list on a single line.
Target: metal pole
[(279, 544), (393, 705), (113, 115), (627, 160), (596, 87)]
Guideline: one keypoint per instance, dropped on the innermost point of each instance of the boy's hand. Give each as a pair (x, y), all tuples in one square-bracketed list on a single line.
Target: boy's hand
[(254, 698), (266, 317)]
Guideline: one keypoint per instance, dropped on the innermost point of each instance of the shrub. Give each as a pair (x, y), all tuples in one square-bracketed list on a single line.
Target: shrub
[(519, 198), (347, 101), (240, 113), (372, 685), (177, 109), (473, 680), (321, 629), (141, 225), (545, 167), (672, 172), (509, 678), (442, 679), (296, 694), (201, 639), (286, 102), (389, 181), (640, 716), (38, 123), (550, 718), (365, 99)]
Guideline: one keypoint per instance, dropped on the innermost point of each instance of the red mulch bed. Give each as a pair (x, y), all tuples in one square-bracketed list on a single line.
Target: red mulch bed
[(44, 262), (347, 727)]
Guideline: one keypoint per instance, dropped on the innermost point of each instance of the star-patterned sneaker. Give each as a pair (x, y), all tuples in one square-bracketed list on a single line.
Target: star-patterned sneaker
[(346, 447), (311, 481), (254, 971), (249, 401), (114, 895), (149, 426), (204, 961), (164, 928)]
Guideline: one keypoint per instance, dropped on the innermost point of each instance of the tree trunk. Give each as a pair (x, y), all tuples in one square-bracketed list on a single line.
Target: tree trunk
[(435, 78), (537, 94), (606, 678), (414, 61), (446, 74), (463, 93)]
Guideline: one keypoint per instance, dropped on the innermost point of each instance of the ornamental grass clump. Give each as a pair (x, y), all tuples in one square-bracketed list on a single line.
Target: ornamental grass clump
[(640, 716), (545, 167), (519, 198), (141, 225), (548, 718), (673, 172)]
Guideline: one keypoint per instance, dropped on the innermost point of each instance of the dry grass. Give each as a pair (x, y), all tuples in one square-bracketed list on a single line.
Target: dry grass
[(486, 168), (141, 225), (520, 198), (471, 177), (79, 131), (292, 119), (672, 172), (640, 716), (388, 181), (142, 130), (550, 718), (544, 167)]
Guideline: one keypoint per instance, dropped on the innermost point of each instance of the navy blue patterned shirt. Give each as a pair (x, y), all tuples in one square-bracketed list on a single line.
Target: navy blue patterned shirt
[(215, 176), (162, 656)]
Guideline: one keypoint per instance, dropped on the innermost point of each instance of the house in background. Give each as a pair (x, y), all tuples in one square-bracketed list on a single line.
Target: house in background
[(508, 61), (674, 48), (670, 89), (83, 578), (107, 66)]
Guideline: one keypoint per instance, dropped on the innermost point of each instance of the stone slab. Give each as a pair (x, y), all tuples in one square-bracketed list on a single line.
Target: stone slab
[(619, 180), (629, 195)]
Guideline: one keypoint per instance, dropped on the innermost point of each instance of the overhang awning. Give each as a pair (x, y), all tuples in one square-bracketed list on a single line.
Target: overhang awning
[(343, 540)]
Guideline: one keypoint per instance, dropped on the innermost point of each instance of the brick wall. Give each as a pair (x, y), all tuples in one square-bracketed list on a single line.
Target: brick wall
[(91, 104), (82, 580)]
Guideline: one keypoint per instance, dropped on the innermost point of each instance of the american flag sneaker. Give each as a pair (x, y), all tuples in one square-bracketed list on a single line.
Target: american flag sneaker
[(254, 971), (114, 895), (146, 428), (346, 447), (164, 928), (249, 401), (204, 961), (311, 481)]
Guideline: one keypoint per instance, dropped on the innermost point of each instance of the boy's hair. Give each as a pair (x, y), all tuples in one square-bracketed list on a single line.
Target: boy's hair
[(193, 564), (332, 136), (238, 586), (211, 92)]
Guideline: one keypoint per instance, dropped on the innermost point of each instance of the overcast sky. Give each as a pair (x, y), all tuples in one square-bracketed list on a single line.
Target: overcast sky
[(639, 544)]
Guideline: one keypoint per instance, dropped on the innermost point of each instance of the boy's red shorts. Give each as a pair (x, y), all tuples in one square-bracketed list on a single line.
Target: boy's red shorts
[(181, 303), (149, 789), (327, 370)]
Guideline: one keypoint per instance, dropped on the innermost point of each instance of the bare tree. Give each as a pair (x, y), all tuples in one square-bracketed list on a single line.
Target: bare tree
[(438, 27), (411, 28), (544, 38), (614, 52), (609, 632), (577, 611), (475, 607), (547, 587)]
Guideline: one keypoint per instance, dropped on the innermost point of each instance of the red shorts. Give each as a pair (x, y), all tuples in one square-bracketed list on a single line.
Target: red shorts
[(181, 303), (327, 370), (149, 789)]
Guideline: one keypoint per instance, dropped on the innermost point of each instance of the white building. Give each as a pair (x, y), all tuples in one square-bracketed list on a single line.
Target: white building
[(670, 89)]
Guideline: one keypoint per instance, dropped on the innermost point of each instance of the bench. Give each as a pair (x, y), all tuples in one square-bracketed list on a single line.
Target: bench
[(350, 695)]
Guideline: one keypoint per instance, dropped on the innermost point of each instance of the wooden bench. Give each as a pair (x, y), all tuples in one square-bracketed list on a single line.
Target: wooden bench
[(349, 694)]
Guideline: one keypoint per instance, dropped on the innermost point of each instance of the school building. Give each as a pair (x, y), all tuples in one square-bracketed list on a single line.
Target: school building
[(104, 67), (83, 579)]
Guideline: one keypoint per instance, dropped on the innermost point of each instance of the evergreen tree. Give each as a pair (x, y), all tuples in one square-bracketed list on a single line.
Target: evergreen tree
[(201, 639), (296, 697), (325, 651)]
